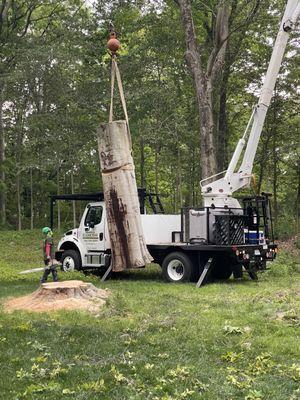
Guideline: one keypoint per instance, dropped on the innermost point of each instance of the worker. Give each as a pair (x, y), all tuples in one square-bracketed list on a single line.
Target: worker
[(48, 252)]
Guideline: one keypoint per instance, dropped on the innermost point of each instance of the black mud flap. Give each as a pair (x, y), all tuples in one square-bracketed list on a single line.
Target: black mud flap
[(251, 268), (58, 255)]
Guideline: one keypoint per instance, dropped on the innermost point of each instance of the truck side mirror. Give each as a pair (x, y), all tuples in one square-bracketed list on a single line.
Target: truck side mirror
[(92, 224)]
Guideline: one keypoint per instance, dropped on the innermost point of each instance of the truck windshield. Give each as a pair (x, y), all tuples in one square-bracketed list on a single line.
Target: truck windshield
[(94, 215)]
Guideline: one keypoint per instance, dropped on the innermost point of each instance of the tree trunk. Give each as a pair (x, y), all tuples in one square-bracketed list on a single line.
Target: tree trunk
[(19, 212), (2, 159), (31, 201), (205, 79), (193, 177), (222, 151), (298, 203), (58, 204), (203, 87), (142, 160), (156, 167), (264, 157), (208, 153), (275, 175), (179, 179), (73, 202)]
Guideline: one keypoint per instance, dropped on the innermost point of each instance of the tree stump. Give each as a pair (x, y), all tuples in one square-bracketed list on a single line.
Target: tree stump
[(52, 296)]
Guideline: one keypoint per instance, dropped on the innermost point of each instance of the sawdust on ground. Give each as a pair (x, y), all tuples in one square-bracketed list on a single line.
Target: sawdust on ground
[(67, 295)]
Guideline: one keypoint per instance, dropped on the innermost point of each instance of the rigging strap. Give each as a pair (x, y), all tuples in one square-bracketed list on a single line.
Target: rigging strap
[(115, 73)]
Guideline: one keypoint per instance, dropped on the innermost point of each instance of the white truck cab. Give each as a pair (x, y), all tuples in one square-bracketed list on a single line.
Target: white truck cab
[(85, 246)]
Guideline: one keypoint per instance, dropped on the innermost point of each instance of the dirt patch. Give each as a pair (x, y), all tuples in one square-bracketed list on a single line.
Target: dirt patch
[(67, 295)]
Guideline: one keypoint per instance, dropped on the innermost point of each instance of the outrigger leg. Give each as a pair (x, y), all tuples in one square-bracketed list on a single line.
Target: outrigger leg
[(204, 272)]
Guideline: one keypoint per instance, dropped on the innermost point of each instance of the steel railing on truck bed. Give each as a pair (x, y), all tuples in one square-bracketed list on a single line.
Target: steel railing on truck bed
[(250, 224)]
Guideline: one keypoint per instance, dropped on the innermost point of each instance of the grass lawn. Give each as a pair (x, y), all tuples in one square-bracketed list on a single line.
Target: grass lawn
[(152, 340)]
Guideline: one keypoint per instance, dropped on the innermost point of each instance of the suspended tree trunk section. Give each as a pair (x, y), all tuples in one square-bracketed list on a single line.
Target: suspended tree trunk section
[(128, 245)]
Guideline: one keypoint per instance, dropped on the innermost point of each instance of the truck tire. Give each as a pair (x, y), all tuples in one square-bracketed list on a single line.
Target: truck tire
[(70, 261), (222, 268), (177, 267)]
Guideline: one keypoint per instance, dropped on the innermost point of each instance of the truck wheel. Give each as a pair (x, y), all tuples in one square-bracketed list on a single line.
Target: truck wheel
[(177, 267), (221, 268), (70, 261)]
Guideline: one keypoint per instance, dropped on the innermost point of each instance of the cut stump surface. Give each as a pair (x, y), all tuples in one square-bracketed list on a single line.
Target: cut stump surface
[(52, 296)]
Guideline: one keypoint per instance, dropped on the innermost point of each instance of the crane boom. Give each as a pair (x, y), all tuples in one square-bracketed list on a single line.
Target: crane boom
[(219, 191)]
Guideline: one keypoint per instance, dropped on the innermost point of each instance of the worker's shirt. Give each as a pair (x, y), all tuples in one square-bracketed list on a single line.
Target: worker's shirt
[(48, 247)]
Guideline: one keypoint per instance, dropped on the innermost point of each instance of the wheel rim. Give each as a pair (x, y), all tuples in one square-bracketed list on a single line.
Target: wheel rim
[(175, 270), (68, 264)]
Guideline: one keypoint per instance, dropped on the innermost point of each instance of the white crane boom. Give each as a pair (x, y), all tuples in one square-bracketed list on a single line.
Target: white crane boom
[(219, 191)]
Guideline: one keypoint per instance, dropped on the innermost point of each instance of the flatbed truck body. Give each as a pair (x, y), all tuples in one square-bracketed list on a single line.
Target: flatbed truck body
[(181, 243)]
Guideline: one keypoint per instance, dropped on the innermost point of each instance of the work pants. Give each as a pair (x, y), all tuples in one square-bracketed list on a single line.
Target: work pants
[(50, 269)]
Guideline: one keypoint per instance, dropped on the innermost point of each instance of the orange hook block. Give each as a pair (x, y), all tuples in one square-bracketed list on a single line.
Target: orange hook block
[(113, 44)]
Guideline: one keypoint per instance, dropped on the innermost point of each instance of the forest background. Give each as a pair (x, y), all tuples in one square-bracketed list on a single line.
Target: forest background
[(55, 90)]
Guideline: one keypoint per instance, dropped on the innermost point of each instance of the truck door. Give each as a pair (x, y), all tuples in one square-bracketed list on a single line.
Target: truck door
[(93, 232)]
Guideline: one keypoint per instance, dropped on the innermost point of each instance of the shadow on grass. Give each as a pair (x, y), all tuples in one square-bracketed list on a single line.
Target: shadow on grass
[(153, 273), (149, 274), (140, 274)]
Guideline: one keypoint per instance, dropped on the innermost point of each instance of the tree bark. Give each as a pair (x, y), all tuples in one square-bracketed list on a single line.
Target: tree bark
[(2, 160), (192, 180), (142, 161), (268, 133), (298, 202), (31, 201), (156, 167), (275, 175), (204, 79), (58, 203), (179, 177), (128, 244), (19, 211), (222, 150), (73, 201)]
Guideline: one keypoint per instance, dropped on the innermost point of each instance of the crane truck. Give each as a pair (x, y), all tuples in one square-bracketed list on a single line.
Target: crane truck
[(230, 235)]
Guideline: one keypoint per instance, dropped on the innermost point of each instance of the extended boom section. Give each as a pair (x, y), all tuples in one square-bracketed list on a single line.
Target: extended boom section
[(219, 191)]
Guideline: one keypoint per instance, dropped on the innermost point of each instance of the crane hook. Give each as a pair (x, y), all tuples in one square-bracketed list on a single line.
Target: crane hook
[(113, 43)]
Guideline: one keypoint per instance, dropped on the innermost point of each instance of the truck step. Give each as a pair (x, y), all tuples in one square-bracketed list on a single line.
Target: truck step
[(96, 260)]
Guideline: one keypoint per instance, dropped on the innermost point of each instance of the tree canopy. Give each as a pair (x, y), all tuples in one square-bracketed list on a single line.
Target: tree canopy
[(183, 63)]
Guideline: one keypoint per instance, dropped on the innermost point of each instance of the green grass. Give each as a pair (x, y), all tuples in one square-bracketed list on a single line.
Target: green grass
[(152, 340)]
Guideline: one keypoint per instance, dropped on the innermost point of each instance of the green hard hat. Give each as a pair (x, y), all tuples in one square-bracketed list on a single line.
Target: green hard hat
[(46, 230)]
